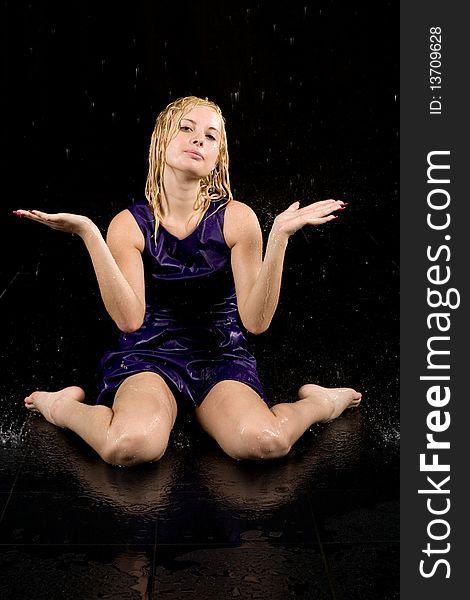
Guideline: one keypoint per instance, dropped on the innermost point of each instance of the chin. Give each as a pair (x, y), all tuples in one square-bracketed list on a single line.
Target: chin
[(199, 171)]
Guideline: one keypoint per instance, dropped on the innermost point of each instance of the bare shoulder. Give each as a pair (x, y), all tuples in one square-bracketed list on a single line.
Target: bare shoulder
[(124, 230), (240, 222), (239, 210)]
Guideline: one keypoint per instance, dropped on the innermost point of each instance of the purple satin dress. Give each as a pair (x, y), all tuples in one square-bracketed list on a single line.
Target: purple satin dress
[(191, 334)]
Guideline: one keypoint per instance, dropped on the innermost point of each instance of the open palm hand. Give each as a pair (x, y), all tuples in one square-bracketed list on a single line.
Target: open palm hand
[(294, 218)]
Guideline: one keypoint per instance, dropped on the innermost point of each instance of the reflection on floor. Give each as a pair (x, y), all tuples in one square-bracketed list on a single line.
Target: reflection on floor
[(320, 523)]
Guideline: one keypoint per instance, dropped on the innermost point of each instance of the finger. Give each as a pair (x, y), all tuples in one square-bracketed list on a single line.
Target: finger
[(320, 220), (320, 204), (334, 200), (322, 209), (37, 216), (27, 212), (318, 213), (42, 215), (294, 206), (47, 218), (24, 213), (21, 211)]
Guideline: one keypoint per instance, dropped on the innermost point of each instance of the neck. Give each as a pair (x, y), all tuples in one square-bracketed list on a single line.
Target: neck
[(179, 196)]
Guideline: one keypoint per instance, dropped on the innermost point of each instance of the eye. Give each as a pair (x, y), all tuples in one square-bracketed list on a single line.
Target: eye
[(185, 128), (211, 137)]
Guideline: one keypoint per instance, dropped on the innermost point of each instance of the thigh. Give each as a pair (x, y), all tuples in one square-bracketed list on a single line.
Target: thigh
[(144, 400)]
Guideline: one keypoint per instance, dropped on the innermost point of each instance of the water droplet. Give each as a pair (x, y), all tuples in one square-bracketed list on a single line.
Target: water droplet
[(262, 95), (67, 153), (274, 27)]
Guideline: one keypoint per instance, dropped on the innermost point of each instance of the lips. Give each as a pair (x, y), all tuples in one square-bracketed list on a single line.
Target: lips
[(195, 154)]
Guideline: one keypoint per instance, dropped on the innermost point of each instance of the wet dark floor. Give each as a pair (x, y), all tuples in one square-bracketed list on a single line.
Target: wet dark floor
[(320, 523)]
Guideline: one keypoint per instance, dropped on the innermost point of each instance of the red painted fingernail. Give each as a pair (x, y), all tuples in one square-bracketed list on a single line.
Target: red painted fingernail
[(341, 208), (344, 203)]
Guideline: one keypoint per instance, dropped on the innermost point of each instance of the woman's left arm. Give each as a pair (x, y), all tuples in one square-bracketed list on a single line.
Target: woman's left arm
[(258, 281)]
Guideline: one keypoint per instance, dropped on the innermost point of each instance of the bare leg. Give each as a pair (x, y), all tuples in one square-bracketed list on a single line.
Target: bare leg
[(238, 419), (316, 405), (135, 430)]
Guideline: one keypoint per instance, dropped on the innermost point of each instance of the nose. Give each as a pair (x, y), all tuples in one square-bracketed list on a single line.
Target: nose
[(198, 138)]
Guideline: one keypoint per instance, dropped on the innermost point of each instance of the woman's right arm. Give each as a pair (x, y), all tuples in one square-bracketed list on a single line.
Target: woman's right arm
[(119, 269), (117, 262)]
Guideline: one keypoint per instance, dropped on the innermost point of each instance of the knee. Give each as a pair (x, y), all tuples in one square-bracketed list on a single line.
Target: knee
[(262, 443), (133, 449)]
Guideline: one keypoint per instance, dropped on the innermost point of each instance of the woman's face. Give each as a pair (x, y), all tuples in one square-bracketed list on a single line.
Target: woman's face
[(194, 149)]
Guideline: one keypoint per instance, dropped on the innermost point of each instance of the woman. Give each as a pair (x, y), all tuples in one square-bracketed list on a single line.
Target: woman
[(177, 274)]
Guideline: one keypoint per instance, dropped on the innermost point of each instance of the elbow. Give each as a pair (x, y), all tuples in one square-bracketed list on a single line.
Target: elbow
[(258, 328), (132, 321), (255, 322), (130, 326)]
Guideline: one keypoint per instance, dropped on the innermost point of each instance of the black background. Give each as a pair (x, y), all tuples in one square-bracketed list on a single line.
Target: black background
[(310, 96)]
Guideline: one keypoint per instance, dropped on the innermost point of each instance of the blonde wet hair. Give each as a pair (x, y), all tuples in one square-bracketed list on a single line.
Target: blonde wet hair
[(213, 187)]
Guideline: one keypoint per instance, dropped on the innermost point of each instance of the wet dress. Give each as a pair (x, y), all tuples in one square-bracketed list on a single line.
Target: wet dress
[(191, 335)]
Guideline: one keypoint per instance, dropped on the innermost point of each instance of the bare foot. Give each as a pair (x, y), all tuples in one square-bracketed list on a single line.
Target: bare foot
[(333, 401), (44, 402)]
